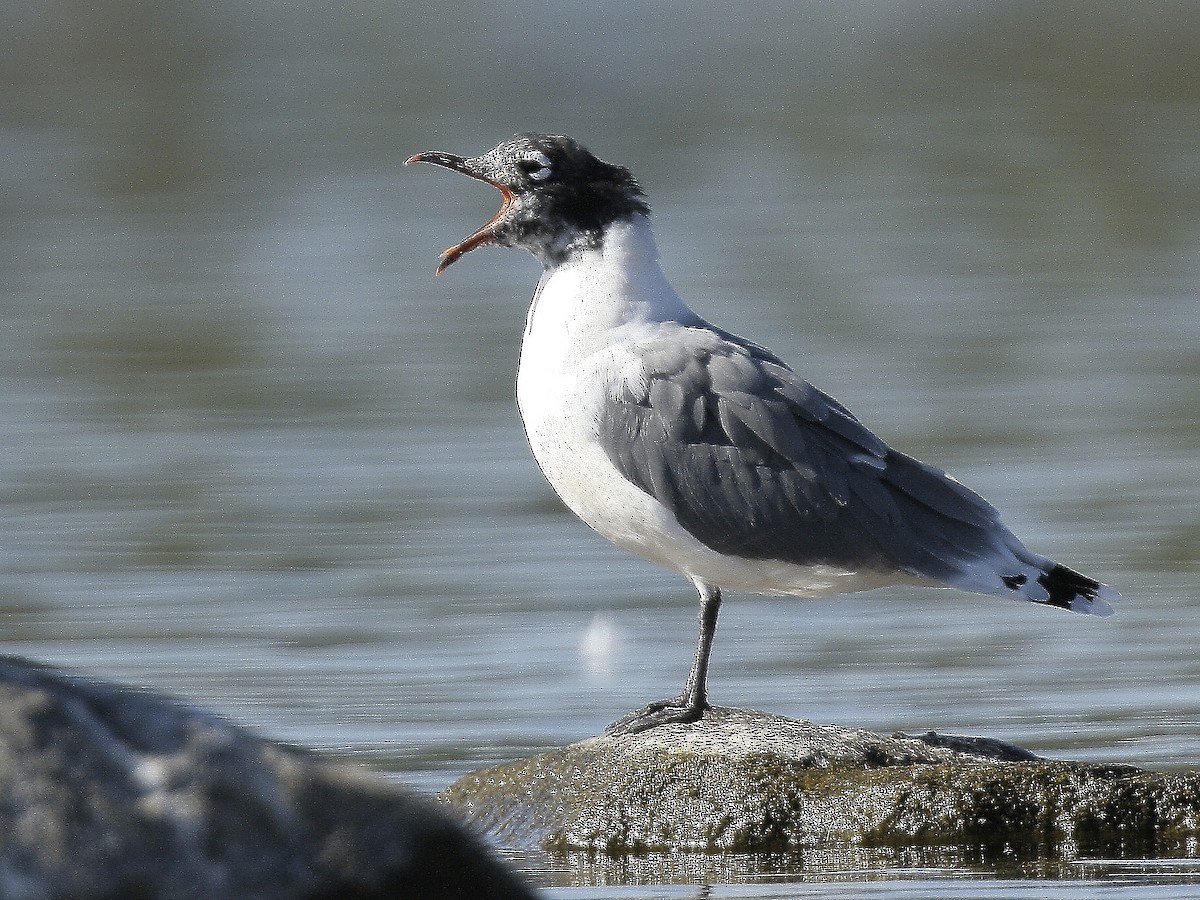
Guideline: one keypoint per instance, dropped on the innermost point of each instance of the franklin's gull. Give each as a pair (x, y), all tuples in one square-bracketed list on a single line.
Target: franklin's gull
[(703, 451)]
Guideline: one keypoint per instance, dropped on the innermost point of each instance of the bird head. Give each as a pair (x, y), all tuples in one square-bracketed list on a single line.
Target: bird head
[(555, 196)]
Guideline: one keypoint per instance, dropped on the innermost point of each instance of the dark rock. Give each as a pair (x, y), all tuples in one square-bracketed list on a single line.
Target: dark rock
[(743, 781), (110, 791)]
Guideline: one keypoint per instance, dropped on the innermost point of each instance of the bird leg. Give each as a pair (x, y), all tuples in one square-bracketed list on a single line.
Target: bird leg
[(691, 704)]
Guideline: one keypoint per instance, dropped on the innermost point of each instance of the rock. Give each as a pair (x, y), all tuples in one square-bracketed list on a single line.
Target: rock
[(110, 791), (741, 781)]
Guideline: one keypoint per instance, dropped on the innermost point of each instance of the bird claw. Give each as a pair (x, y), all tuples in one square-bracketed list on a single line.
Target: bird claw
[(661, 712)]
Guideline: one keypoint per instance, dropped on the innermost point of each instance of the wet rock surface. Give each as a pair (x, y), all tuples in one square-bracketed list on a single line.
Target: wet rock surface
[(741, 781), (110, 791)]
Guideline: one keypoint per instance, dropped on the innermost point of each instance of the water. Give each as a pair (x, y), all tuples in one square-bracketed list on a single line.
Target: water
[(255, 455)]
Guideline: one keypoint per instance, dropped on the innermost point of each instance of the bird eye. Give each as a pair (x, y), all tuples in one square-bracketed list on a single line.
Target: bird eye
[(537, 167)]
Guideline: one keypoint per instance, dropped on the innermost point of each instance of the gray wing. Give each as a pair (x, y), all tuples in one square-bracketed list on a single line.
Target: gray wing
[(755, 462)]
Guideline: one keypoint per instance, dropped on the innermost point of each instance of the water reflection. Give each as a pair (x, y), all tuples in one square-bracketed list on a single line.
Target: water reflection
[(912, 871)]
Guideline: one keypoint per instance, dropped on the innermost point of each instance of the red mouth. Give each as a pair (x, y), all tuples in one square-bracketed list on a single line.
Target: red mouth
[(486, 233)]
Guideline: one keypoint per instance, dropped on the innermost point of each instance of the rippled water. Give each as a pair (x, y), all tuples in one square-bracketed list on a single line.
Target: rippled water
[(255, 455)]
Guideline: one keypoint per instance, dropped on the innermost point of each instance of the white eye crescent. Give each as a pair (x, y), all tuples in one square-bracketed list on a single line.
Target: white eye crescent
[(537, 164)]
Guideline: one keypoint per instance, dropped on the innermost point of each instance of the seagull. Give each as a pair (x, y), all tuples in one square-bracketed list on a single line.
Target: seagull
[(702, 451)]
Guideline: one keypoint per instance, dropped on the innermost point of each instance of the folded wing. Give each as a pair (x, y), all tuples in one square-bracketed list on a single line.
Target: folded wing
[(755, 462)]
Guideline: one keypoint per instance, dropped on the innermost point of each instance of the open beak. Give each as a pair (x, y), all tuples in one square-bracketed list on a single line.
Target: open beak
[(483, 235)]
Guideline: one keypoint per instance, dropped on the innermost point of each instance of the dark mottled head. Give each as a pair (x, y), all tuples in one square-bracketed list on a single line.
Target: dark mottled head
[(557, 196)]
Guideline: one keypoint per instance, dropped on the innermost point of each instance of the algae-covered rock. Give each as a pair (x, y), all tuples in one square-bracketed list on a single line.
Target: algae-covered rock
[(743, 781)]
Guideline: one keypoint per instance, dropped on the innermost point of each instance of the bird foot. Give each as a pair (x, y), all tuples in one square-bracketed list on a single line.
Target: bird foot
[(661, 712)]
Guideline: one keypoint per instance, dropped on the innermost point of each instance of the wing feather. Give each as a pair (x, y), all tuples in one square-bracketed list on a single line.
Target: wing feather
[(754, 461)]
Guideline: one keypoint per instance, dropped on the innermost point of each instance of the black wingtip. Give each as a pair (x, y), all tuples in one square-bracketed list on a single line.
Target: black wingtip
[(1072, 590)]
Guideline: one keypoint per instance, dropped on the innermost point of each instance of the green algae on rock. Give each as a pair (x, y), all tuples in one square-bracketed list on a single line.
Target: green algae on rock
[(741, 781)]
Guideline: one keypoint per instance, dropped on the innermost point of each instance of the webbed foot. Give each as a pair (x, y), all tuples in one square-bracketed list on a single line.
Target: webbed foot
[(660, 712)]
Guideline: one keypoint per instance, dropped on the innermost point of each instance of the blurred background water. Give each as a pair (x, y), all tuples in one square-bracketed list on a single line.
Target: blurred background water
[(253, 454)]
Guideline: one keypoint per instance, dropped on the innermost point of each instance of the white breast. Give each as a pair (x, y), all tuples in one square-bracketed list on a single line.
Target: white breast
[(582, 320)]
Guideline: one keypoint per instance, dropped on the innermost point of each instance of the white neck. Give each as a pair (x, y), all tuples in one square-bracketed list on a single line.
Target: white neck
[(619, 283)]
